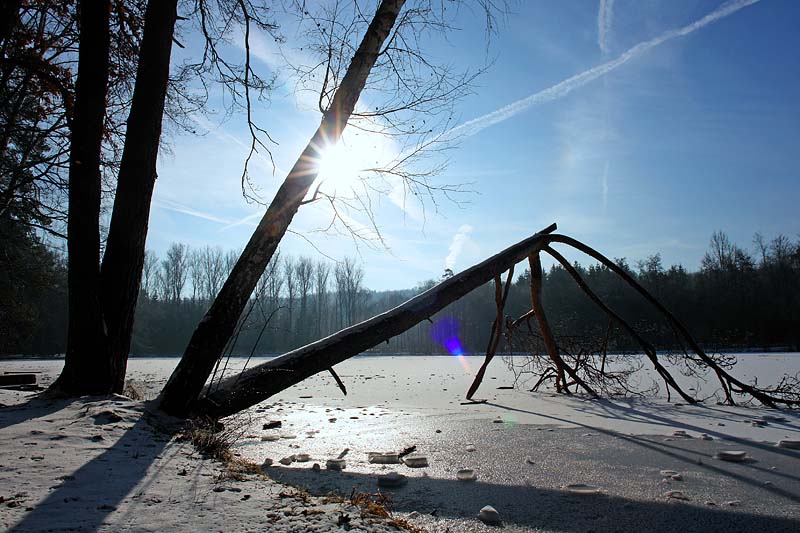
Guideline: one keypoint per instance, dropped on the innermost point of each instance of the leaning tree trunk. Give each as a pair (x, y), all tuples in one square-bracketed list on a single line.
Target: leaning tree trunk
[(85, 366), (122, 263), (260, 382), (217, 326)]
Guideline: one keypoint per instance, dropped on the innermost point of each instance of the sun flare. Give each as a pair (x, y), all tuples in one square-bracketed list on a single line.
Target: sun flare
[(342, 165)]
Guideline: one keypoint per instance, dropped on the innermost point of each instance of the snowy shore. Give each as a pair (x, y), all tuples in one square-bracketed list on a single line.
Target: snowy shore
[(106, 465)]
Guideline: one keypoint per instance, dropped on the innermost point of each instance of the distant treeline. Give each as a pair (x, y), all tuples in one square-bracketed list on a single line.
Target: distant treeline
[(738, 299)]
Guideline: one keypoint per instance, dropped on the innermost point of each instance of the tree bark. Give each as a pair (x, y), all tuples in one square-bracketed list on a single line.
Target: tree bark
[(237, 393), (547, 333), (217, 326), (85, 365), (102, 301), (124, 257), (544, 326), (9, 17)]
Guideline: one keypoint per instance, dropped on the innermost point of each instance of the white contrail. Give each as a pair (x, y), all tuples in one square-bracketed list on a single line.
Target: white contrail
[(249, 220), (169, 205), (471, 127), (605, 16)]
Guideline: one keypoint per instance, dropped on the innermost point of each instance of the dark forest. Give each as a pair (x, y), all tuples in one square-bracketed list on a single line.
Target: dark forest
[(739, 299)]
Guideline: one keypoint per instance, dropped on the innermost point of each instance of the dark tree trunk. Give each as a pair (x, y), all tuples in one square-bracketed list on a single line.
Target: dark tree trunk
[(86, 366), (9, 17), (214, 330), (260, 382), (124, 257), (102, 301)]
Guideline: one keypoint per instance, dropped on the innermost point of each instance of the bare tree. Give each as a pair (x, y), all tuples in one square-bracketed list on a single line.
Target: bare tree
[(103, 296), (762, 247), (725, 256), (38, 60), (304, 268), (290, 283), (781, 250), (213, 332), (229, 261), (322, 271), (348, 276), (275, 280), (195, 272), (175, 271), (149, 274), (388, 44), (212, 267)]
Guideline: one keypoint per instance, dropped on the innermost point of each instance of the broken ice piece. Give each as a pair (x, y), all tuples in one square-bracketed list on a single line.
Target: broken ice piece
[(335, 464), (734, 456), (388, 458), (581, 488), (489, 515), (466, 474), (416, 461)]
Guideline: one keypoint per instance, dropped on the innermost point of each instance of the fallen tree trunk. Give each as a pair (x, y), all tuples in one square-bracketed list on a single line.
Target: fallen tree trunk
[(260, 382)]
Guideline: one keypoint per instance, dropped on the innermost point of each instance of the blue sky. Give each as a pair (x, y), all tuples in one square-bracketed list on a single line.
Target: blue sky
[(639, 126)]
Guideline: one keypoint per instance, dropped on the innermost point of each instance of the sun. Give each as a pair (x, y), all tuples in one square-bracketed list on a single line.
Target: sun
[(342, 165)]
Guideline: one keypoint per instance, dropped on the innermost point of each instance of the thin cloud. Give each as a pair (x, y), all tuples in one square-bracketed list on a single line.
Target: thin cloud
[(605, 18), (175, 207), (248, 220), (565, 87)]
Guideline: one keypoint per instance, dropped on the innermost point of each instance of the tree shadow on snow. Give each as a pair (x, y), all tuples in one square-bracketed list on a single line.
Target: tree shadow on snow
[(534, 507), (82, 500), (695, 452), (38, 406)]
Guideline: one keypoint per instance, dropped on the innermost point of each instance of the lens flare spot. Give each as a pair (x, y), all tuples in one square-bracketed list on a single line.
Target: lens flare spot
[(509, 420), (453, 346), (444, 332)]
